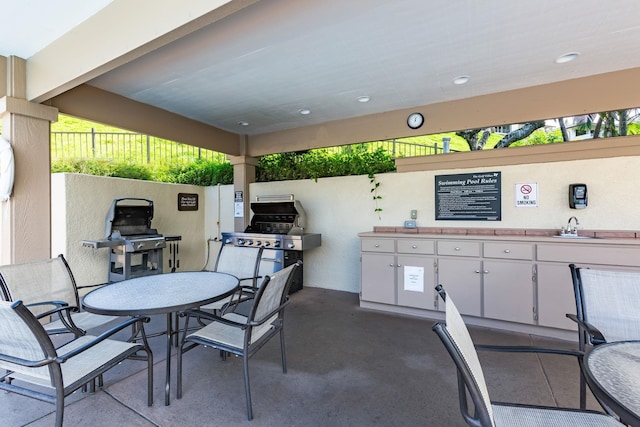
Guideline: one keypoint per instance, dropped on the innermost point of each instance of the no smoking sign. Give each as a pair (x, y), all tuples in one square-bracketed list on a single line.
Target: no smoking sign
[(526, 195)]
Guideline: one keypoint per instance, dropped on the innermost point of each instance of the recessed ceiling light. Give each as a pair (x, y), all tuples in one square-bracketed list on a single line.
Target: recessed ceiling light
[(567, 57), (363, 98), (243, 123), (460, 80), (304, 112)]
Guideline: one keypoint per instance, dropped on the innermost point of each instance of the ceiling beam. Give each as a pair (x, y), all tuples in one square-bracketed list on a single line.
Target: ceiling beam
[(593, 94), (90, 103)]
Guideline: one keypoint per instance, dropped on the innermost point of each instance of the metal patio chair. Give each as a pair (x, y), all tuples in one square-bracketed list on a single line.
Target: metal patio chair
[(456, 339), (244, 336), (48, 288), (31, 362), (241, 262), (606, 309)]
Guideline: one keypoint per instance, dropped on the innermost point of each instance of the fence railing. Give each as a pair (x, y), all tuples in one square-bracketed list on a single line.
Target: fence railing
[(125, 147), (141, 148)]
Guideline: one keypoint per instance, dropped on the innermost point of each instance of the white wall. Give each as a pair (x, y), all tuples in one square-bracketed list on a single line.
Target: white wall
[(79, 206), (339, 208)]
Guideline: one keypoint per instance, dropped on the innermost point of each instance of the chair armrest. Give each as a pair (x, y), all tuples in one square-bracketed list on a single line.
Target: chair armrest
[(595, 336), (210, 316), (530, 349), (56, 304), (25, 362), (103, 336), (97, 285)]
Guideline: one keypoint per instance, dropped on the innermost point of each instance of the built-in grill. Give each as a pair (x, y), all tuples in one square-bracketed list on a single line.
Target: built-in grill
[(136, 248), (277, 225)]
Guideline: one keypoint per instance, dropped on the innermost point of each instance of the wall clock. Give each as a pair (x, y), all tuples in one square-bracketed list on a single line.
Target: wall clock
[(415, 120)]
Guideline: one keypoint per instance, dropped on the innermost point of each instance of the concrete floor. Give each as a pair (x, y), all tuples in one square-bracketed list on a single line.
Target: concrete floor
[(346, 367)]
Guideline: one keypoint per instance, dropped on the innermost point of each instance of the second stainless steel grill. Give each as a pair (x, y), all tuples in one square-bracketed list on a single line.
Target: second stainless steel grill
[(277, 225)]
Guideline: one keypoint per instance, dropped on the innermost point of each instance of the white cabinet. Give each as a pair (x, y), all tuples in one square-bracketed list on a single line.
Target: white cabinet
[(461, 278), (508, 290), (378, 278), (509, 281), (378, 270), (416, 281), (524, 281), (403, 277)]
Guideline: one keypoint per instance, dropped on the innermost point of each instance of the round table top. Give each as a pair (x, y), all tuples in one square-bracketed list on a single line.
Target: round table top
[(615, 369), (160, 293)]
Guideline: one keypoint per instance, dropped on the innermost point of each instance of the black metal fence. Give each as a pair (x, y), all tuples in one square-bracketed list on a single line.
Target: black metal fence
[(125, 147), (139, 148)]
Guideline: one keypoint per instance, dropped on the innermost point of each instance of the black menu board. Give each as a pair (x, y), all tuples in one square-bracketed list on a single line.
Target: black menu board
[(469, 197)]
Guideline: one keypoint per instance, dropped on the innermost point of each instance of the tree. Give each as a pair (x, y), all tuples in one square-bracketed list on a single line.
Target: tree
[(520, 133), (477, 138)]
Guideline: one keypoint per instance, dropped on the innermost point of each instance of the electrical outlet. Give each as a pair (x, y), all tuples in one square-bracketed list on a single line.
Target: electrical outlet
[(414, 214)]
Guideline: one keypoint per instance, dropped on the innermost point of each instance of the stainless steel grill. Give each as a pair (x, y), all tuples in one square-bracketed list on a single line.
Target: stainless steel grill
[(277, 225), (136, 248)]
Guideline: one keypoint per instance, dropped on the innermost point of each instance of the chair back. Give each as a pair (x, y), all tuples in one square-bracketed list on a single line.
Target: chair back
[(456, 339), (37, 281), (239, 261), (213, 249), (273, 293), (609, 300), (22, 337)]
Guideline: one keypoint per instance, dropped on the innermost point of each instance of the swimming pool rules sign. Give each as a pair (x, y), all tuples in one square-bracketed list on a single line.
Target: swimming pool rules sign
[(469, 196), (527, 195)]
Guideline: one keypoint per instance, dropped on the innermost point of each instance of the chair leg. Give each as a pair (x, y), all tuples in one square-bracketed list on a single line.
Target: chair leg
[(59, 408), (583, 392), (247, 389), (282, 352), (179, 370)]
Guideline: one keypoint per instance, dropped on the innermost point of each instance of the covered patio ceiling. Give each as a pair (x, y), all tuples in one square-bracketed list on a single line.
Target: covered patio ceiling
[(248, 69)]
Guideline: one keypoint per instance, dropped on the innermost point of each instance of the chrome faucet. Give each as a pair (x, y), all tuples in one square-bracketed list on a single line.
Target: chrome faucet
[(575, 228)]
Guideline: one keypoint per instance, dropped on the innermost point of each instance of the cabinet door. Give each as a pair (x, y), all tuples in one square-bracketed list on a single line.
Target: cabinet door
[(461, 279), (416, 281), (555, 296), (378, 280), (508, 291)]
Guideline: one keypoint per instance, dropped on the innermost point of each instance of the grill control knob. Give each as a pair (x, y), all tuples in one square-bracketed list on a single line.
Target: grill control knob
[(258, 243), (240, 241), (227, 241), (249, 242), (266, 244), (291, 245), (276, 244)]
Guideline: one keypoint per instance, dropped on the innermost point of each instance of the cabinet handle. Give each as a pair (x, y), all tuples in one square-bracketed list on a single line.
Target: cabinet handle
[(507, 251), (478, 271), (486, 272), (483, 271), (390, 265), (377, 245), (457, 249), (398, 265), (414, 247)]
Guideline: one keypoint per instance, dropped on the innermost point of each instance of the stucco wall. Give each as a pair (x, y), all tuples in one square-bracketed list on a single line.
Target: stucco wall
[(340, 208), (80, 203)]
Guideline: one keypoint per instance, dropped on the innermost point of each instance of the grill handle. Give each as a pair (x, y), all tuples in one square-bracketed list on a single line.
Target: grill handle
[(274, 197)]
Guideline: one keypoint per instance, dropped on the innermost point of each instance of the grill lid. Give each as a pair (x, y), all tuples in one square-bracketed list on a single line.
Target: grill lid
[(128, 217), (279, 214)]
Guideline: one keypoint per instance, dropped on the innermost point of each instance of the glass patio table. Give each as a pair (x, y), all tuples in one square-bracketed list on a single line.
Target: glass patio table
[(161, 294), (613, 374)]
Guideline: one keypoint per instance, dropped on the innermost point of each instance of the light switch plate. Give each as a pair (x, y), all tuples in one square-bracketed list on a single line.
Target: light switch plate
[(409, 224), (414, 214)]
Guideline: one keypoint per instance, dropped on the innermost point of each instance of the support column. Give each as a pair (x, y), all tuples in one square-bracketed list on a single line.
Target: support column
[(244, 173), (25, 219)]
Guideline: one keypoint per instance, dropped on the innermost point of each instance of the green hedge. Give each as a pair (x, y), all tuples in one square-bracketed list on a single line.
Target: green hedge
[(312, 164)]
